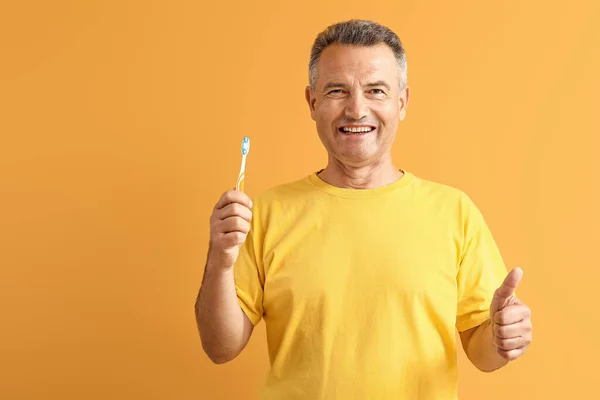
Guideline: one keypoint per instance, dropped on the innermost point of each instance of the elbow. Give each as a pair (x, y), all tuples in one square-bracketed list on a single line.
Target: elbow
[(218, 360), (218, 356), (487, 370)]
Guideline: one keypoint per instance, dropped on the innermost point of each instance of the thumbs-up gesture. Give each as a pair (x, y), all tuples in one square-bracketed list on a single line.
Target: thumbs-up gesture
[(511, 319)]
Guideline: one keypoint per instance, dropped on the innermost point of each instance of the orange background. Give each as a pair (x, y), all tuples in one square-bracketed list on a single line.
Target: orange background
[(121, 124)]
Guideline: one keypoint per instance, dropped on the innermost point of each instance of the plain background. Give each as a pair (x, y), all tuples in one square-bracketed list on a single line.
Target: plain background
[(121, 124)]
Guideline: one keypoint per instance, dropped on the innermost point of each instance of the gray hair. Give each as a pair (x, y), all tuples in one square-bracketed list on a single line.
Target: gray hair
[(358, 33)]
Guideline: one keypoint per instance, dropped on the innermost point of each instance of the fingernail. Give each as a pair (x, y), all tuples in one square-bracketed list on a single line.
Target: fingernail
[(251, 203)]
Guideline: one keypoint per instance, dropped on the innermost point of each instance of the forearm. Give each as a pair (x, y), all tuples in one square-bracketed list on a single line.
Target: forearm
[(219, 316), (482, 351)]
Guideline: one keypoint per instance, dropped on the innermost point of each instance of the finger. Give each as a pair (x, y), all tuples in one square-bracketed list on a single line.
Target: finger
[(512, 331), (234, 224), (235, 210), (233, 196), (511, 355), (510, 283), (506, 290), (512, 314), (230, 239), (510, 344), (235, 238)]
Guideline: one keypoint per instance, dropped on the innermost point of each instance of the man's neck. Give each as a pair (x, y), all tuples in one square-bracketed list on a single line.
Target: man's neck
[(365, 177)]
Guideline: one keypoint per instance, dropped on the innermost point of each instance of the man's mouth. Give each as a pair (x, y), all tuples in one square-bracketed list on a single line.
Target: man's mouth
[(356, 130)]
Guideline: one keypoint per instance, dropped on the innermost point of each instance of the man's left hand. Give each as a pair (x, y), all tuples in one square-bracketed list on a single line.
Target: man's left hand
[(511, 319)]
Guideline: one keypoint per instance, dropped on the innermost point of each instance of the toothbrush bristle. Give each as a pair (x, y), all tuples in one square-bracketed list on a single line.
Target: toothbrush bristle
[(245, 145)]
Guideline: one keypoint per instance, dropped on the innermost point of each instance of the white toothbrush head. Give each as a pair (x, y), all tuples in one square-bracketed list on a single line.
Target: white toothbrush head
[(245, 145)]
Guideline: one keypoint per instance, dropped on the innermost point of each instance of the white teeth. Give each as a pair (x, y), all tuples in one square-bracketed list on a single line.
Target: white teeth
[(358, 130)]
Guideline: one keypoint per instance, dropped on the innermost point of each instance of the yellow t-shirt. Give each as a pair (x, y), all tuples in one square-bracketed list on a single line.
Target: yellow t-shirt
[(362, 290)]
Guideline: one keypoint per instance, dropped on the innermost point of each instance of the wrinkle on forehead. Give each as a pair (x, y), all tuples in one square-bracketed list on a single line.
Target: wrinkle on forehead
[(357, 65)]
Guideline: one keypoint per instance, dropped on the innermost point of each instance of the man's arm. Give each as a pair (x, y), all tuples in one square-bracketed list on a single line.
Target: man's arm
[(480, 349), (506, 335), (224, 327)]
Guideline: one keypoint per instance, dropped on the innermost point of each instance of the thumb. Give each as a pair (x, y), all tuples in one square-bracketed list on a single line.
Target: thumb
[(504, 292)]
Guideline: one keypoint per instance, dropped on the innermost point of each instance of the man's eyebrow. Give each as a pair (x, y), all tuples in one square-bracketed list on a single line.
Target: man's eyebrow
[(379, 83), (330, 85)]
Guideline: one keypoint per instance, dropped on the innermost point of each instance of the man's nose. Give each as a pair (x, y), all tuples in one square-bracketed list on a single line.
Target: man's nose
[(356, 107)]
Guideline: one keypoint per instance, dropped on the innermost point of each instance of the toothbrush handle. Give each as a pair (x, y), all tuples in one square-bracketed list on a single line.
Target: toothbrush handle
[(240, 182)]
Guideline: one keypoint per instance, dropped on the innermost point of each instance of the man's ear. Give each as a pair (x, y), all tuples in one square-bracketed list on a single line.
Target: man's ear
[(311, 100), (403, 99)]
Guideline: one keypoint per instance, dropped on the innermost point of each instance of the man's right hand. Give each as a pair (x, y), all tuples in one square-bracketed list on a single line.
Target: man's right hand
[(224, 328), (229, 226)]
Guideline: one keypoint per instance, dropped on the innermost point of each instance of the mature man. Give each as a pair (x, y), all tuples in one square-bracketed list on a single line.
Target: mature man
[(362, 271)]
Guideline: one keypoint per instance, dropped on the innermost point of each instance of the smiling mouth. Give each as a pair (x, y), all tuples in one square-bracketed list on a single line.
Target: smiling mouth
[(363, 130)]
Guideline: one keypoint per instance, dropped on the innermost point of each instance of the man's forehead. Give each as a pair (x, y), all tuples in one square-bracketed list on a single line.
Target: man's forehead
[(338, 55), (343, 62)]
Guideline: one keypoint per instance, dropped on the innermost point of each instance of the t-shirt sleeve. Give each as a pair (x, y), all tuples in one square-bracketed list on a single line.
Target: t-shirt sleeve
[(481, 270), (249, 276)]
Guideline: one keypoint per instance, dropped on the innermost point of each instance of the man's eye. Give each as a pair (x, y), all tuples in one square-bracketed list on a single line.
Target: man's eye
[(377, 91), (336, 91)]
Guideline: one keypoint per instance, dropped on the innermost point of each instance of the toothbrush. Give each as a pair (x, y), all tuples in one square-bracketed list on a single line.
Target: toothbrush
[(245, 149)]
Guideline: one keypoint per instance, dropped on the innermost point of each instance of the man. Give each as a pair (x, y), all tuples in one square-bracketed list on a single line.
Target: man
[(362, 271)]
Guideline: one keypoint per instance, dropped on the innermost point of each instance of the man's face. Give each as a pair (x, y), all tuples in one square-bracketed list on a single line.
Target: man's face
[(357, 90)]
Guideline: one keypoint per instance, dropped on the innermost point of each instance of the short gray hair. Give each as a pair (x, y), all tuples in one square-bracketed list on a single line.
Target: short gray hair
[(356, 32)]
